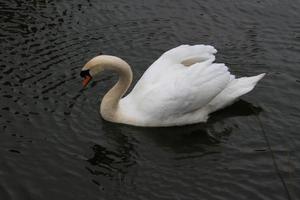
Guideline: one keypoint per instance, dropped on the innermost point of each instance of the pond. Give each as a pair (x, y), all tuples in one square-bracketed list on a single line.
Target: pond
[(55, 145)]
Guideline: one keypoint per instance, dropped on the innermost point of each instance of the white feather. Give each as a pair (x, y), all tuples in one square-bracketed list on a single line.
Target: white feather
[(183, 87)]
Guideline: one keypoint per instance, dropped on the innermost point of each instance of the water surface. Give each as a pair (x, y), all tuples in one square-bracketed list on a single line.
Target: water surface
[(54, 144)]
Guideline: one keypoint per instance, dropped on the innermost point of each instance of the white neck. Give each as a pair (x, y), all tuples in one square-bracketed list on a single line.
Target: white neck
[(110, 102)]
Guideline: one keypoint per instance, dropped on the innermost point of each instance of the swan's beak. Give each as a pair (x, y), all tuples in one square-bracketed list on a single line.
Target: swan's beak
[(86, 81), (87, 77)]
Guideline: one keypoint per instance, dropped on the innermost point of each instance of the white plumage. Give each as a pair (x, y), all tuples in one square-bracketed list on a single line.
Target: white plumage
[(182, 87)]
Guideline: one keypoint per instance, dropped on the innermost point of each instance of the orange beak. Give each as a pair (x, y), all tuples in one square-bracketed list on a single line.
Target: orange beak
[(86, 81)]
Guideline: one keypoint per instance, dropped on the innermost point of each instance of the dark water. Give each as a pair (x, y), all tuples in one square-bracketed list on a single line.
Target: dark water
[(54, 145)]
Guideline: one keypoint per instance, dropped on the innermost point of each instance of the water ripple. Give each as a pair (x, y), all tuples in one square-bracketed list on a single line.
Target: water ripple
[(54, 144)]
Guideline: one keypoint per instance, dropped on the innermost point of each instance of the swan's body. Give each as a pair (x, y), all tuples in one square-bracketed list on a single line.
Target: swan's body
[(182, 87)]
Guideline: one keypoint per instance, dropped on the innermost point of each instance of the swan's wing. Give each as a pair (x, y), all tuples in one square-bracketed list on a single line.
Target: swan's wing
[(182, 80), (184, 54)]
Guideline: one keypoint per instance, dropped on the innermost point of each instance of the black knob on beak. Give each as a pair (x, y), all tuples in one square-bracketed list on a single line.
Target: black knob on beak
[(85, 73)]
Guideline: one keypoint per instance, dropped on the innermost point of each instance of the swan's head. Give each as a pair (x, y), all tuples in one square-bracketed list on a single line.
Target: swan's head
[(92, 68), (104, 62)]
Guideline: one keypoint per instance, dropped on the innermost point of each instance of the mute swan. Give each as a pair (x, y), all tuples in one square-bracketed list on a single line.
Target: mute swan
[(182, 87)]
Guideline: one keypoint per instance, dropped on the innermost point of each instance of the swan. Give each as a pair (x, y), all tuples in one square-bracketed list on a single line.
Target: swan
[(181, 87)]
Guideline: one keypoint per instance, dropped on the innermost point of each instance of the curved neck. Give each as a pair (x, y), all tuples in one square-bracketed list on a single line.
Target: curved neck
[(110, 102)]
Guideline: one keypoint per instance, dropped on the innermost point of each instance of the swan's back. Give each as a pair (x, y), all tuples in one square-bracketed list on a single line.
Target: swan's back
[(182, 87)]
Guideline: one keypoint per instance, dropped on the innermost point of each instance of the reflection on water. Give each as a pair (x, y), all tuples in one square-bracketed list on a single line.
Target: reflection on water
[(109, 162), (112, 162), (186, 142)]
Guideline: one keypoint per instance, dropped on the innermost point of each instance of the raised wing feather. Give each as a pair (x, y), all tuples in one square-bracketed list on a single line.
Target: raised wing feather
[(182, 80)]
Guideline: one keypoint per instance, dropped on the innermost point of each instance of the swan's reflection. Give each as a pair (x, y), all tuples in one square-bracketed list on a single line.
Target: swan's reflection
[(185, 142), (112, 161), (240, 108)]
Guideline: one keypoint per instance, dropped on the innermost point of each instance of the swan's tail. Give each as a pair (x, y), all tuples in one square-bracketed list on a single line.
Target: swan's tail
[(235, 89)]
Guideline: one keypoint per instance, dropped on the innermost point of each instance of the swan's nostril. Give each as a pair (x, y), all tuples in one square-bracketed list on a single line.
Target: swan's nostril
[(85, 73)]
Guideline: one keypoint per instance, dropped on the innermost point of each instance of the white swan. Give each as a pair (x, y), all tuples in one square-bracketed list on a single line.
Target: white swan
[(182, 87)]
